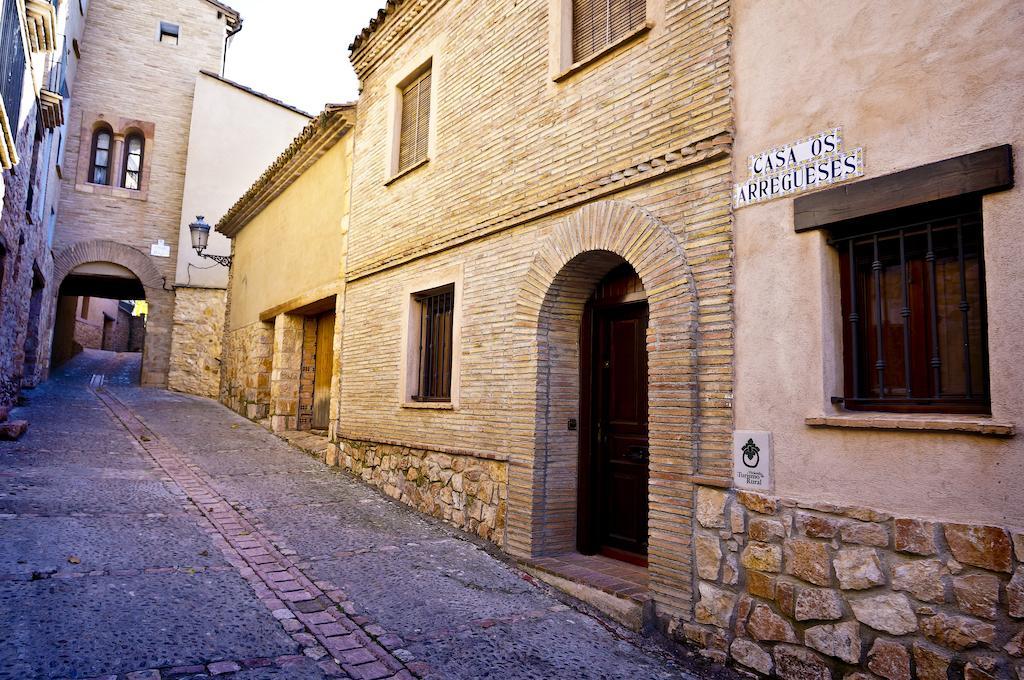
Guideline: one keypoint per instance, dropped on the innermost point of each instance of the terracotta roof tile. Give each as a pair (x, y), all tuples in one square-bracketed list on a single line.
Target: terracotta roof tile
[(375, 23)]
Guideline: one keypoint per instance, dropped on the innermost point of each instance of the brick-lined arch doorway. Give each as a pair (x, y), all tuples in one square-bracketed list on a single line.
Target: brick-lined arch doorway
[(543, 507), (112, 271)]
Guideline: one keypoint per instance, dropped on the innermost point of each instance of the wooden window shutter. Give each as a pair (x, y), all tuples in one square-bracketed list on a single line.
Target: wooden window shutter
[(599, 23), (415, 124)]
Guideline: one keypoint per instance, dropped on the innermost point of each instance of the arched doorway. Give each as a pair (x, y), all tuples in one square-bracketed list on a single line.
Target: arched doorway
[(572, 259), (104, 270), (613, 441), (101, 306)]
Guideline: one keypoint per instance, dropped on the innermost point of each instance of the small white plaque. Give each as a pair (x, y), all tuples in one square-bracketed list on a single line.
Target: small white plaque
[(160, 249), (752, 460)]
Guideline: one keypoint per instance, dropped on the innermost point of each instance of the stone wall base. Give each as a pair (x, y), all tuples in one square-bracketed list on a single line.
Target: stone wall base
[(197, 333), (812, 591), (468, 492), (245, 380)]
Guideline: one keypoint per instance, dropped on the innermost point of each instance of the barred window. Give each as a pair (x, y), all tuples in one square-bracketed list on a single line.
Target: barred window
[(436, 315), (415, 122), (913, 304), (599, 23)]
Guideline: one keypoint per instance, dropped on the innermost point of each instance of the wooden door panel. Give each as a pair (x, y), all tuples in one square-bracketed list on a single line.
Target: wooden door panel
[(621, 447), (324, 365)]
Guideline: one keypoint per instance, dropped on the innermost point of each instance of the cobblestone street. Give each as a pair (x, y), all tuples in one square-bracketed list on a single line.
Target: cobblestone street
[(149, 534)]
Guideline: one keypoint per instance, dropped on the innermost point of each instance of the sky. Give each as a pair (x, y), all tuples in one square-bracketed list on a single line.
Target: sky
[(297, 50)]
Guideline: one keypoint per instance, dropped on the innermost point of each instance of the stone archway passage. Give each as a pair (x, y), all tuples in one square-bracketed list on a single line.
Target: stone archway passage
[(569, 262), (156, 353)]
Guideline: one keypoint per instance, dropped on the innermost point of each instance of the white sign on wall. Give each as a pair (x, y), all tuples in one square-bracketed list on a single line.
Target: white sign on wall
[(160, 249), (752, 460), (799, 166)]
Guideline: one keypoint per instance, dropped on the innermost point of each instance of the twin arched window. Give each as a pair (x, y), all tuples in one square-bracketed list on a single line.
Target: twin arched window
[(131, 166)]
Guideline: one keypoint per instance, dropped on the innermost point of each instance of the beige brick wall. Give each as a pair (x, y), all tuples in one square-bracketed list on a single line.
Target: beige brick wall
[(628, 155), (507, 136), (125, 73)]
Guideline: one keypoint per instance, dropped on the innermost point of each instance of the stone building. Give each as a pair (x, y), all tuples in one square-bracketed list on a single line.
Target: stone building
[(878, 345), (288, 235), (37, 75), (153, 141), (538, 332)]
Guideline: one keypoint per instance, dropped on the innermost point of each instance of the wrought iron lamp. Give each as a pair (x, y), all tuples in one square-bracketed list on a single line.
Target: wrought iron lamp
[(200, 235)]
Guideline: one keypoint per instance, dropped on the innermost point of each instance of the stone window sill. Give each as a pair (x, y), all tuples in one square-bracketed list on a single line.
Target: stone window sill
[(979, 425), (402, 173), (438, 405), (117, 192), (583, 63)]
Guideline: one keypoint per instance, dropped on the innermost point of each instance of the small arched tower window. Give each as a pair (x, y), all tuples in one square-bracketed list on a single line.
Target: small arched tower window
[(133, 149), (99, 166)]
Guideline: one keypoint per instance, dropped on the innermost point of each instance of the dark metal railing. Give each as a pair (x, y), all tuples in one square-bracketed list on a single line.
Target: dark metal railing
[(905, 349), (12, 62), (435, 345)]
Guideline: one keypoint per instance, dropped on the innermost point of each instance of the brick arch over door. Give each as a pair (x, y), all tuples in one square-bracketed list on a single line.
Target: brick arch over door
[(542, 476), (156, 352)]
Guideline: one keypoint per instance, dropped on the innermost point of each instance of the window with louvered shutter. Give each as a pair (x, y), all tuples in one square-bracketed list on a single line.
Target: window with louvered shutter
[(415, 122), (599, 23)]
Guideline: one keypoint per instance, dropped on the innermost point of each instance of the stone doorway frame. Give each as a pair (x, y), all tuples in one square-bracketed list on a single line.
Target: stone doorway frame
[(156, 351), (570, 261)]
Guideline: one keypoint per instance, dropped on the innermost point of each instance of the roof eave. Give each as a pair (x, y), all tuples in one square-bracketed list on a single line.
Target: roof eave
[(315, 140)]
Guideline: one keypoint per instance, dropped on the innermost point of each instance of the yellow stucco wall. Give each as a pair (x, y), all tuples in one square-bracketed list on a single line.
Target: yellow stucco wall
[(294, 245)]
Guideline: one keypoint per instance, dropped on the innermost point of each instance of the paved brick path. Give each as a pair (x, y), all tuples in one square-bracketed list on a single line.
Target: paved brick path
[(148, 534)]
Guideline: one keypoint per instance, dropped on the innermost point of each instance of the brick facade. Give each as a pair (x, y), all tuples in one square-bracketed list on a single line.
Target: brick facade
[(534, 189), (156, 102)]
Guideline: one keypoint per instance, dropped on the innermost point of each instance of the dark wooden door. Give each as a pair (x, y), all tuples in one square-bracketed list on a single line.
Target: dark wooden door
[(617, 465), (324, 368)]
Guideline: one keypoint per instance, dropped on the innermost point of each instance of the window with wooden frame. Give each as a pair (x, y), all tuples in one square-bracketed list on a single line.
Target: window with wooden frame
[(599, 23), (414, 129), (435, 314), (99, 158), (913, 309), (133, 149)]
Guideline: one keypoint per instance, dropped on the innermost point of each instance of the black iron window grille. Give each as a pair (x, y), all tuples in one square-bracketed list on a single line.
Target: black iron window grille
[(12, 62), (913, 304), (436, 319)]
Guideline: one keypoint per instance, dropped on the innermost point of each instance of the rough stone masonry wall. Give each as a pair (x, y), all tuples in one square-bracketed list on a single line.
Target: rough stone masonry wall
[(25, 242), (467, 491), (196, 338), (812, 592), (245, 381)]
